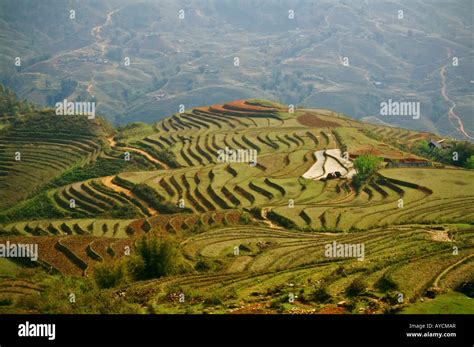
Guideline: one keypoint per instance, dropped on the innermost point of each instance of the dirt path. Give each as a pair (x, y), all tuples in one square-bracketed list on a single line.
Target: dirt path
[(107, 181), (445, 271), (452, 116), (90, 86), (95, 32), (97, 29), (113, 143)]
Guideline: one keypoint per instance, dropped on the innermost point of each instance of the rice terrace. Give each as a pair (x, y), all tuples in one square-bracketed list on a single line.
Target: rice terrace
[(335, 215)]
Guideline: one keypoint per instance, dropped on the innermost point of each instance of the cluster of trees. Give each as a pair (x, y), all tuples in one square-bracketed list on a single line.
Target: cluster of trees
[(153, 258), (100, 168), (10, 106), (366, 167), (458, 153)]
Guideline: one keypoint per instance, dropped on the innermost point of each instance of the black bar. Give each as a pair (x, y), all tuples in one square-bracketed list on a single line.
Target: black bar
[(314, 330)]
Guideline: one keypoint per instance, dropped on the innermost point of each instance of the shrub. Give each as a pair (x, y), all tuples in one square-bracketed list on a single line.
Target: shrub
[(321, 295), (366, 167), (386, 283), (146, 227), (202, 265), (467, 288), (124, 212), (154, 259), (357, 287), (245, 218), (212, 300), (109, 275)]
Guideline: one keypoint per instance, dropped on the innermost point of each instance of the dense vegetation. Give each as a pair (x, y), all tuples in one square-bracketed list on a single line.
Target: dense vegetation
[(366, 167), (458, 153)]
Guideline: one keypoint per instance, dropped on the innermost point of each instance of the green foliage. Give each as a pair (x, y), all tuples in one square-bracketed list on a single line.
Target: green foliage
[(124, 212), (35, 208), (146, 227), (203, 265), (88, 298), (467, 288), (321, 295), (386, 283), (245, 218), (357, 287), (446, 154), (109, 275), (340, 140), (155, 259), (100, 168), (469, 162), (47, 124), (366, 166), (10, 106)]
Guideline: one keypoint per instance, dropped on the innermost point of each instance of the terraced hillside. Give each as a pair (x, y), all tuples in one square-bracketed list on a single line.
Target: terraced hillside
[(252, 193)]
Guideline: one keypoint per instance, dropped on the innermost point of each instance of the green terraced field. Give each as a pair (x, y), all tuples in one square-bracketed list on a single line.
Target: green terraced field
[(415, 223)]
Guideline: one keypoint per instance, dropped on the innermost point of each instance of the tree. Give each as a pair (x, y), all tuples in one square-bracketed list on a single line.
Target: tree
[(366, 165), (357, 287), (154, 259), (470, 162)]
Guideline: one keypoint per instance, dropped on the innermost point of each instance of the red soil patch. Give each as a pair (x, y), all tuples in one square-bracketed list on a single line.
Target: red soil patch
[(310, 120), (137, 225)]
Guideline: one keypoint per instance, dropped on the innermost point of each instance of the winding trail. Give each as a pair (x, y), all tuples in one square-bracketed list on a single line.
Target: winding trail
[(452, 116), (147, 155), (107, 181), (113, 143), (97, 29)]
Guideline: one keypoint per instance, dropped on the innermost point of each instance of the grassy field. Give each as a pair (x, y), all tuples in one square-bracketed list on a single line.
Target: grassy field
[(450, 303)]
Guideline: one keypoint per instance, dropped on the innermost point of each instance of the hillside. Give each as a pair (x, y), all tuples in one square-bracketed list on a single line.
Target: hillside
[(297, 61), (251, 227)]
